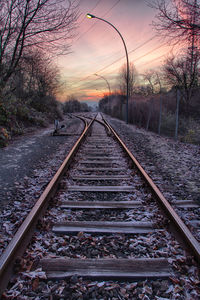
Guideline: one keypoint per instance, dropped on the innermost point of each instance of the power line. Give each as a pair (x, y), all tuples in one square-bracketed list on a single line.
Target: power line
[(150, 51), (111, 8), (91, 11), (122, 57), (96, 5), (157, 58), (96, 22), (131, 51), (158, 47)]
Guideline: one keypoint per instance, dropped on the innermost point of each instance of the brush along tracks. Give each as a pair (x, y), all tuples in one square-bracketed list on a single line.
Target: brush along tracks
[(103, 222)]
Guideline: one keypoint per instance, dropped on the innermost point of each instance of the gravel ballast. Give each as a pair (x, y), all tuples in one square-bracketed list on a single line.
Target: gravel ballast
[(34, 285), (173, 166), (27, 166)]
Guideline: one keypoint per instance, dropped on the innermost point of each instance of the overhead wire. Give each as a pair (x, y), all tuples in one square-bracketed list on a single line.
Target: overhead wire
[(91, 11), (96, 5), (96, 22), (122, 57), (157, 58), (131, 51), (140, 57), (111, 8)]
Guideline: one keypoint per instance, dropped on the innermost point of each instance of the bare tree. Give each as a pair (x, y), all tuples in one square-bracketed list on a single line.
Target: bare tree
[(178, 73), (154, 83), (35, 74), (159, 82), (143, 89), (43, 73), (73, 105), (178, 20), (46, 24), (149, 76), (123, 79)]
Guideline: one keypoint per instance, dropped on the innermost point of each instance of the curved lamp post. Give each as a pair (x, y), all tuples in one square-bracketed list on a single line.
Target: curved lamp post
[(105, 81), (90, 16)]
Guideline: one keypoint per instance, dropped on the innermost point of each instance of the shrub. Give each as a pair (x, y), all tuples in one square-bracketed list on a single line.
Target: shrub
[(168, 124), (3, 115), (4, 137), (22, 112), (191, 133)]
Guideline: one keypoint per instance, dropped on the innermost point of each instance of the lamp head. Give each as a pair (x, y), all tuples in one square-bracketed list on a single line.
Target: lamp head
[(89, 16)]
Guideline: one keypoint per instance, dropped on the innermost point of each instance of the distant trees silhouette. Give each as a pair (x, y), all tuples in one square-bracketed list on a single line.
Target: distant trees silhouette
[(73, 105)]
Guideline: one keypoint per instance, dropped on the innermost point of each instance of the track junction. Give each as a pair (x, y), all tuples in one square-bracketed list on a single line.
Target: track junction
[(106, 220)]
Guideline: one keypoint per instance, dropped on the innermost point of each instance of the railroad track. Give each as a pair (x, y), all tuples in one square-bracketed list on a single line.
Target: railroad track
[(102, 222)]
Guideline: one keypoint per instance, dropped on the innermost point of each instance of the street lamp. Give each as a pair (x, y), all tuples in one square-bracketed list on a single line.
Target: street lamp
[(90, 16), (105, 81)]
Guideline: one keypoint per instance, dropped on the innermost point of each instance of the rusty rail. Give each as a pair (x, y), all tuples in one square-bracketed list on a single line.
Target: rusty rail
[(23, 235), (192, 245)]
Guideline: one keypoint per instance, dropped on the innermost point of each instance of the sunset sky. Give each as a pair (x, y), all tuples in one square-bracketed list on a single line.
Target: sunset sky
[(98, 49)]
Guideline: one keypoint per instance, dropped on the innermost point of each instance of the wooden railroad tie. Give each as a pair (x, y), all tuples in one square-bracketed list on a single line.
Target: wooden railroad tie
[(103, 227), (101, 188), (60, 268), (99, 162), (101, 204), (185, 204), (100, 178), (103, 158), (114, 170)]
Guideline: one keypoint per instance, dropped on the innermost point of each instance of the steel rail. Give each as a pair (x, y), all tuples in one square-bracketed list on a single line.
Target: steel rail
[(23, 235), (189, 240), (102, 123), (105, 125)]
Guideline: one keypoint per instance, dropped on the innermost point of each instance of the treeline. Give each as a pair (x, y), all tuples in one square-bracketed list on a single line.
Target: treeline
[(157, 113), (166, 99), (73, 105), (28, 98), (32, 33)]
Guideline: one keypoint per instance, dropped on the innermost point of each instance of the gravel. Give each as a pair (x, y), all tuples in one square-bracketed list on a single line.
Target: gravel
[(27, 165), (32, 282), (173, 166), (30, 152)]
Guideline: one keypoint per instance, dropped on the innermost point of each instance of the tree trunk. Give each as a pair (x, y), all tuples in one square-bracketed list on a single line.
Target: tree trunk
[(148, 119), (177, 113), (160, 116)]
